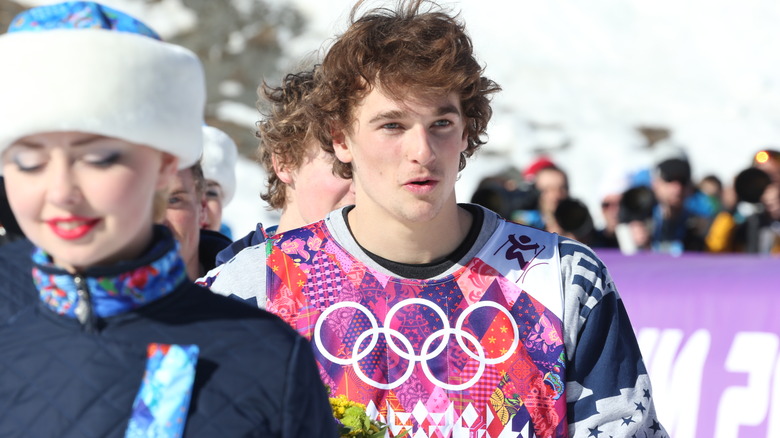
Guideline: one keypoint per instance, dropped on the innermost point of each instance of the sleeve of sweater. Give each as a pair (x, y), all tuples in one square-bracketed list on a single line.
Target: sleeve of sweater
[(241, 278), (608, 389), (305, 397)]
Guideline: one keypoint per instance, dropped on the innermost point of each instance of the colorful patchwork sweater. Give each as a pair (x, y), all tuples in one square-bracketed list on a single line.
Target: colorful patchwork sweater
[(525, 336), (136, 350)]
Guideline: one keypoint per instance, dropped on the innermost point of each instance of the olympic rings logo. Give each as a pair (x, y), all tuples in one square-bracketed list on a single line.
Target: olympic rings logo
[(406, 349)]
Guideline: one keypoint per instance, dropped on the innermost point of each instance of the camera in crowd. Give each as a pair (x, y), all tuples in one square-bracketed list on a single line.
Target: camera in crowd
[(506, 195)]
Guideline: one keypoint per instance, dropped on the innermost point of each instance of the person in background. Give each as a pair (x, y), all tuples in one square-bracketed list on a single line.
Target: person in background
[(712, 187), (220, 154), (605, 237), (443, 318), (98, 115), (301, 182), (678, 225), (768, 160), (551, 185), (747, 226), (506, 193), (574, 221), (635, 220), (186, 207), (611, 188)]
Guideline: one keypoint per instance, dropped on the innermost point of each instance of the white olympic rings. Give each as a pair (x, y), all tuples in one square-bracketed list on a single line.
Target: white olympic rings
[(408, 350)]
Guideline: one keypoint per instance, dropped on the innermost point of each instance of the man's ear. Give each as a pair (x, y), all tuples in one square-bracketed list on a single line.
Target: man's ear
[(169, 165), (340, 146), (282, 171)]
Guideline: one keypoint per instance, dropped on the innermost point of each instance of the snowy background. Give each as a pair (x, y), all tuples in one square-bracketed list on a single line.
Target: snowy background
[(578, 79)]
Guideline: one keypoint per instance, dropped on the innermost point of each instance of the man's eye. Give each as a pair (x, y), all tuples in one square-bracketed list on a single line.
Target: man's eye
[(212, 194), (391, 126), (443, 122)]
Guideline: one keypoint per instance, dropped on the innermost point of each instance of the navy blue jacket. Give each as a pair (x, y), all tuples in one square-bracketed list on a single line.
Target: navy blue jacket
[(16, 287), (254, 376), (210, 244)]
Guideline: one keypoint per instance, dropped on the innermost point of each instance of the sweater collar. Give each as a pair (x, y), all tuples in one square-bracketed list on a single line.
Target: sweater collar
[(111, 290)]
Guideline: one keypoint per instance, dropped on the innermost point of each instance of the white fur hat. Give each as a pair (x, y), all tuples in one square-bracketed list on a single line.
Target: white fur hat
[(219, 160), (80, 66)]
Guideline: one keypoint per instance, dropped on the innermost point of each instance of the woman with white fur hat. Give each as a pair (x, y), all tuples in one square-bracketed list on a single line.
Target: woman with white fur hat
[(97, 115)]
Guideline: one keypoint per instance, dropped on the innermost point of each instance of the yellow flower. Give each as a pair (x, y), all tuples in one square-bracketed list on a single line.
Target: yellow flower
[(341, 403)]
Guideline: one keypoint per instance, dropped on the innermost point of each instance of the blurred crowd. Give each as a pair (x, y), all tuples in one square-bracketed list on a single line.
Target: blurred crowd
[(661, 208)]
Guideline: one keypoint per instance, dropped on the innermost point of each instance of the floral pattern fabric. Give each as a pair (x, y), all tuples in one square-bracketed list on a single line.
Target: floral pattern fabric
[(78, 15), (111, 294), (160, 408)]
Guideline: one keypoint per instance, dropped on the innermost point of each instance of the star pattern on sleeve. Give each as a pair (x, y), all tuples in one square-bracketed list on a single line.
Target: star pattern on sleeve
[(594, 432)]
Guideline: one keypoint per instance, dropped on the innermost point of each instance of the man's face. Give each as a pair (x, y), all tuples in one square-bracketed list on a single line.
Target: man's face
[(315, 190), (553, 187), (670, 193), (404, 155), (212, 219), (610, 207), (183, 217)]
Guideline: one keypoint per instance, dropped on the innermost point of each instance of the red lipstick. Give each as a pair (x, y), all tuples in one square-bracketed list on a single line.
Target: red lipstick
[(73, 227)]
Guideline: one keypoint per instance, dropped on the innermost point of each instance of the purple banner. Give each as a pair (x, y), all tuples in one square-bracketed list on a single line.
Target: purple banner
[(709, 330)]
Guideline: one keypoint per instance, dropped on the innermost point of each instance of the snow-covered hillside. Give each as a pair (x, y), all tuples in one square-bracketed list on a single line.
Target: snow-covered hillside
[(578, 78)]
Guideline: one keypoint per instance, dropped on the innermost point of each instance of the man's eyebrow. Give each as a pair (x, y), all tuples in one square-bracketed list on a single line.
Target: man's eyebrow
[(448, 109), (396, 114), (385, 115)]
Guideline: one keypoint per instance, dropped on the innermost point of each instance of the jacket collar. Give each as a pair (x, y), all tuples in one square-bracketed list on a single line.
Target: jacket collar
[(110, 290)]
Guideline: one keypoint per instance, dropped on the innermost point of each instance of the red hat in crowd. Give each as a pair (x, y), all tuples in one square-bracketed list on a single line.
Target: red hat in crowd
[(541, 163)]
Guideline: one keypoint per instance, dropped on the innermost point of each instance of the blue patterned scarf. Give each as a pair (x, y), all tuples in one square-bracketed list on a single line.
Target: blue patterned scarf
[(112, 290)]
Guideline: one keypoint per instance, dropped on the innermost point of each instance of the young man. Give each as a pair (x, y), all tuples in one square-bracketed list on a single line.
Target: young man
[(300, 180), (442, 318), (184, 212)]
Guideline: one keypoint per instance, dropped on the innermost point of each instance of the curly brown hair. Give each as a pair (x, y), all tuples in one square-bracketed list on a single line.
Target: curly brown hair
[(416, 49), (284, 132)]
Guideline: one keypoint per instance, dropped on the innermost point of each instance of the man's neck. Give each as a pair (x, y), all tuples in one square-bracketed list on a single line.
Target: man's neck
[(290, 218), (412, 243)]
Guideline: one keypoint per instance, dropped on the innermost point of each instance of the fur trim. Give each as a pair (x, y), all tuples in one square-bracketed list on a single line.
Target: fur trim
[(116, 84)]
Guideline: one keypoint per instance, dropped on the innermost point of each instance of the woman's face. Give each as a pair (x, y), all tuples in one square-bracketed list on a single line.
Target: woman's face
[(214, 195), (83, 198)]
